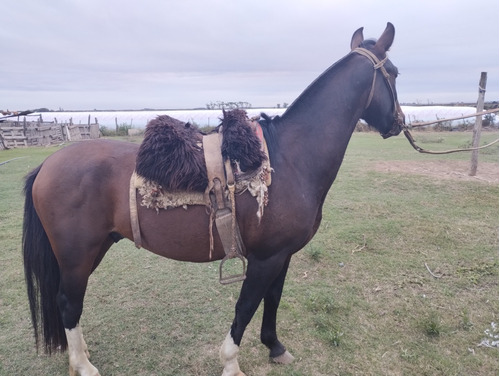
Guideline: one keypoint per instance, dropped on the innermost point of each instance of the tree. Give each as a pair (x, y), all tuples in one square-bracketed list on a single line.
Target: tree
[(220, 105)]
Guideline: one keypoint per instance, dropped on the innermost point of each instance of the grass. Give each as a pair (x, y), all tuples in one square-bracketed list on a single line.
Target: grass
[(358, 299)]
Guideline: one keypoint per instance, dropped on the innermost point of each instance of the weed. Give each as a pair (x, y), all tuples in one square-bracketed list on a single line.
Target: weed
[(466, 323), (431, 324), (474, 273), (328, 330), (408, 355), (314, 252), (320, 303)]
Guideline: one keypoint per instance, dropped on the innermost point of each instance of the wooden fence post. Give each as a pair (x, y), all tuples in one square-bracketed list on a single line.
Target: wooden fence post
[(25, 132), (476, 134)]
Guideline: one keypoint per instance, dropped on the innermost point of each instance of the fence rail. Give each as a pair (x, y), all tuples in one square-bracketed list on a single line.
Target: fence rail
[(23, 133)]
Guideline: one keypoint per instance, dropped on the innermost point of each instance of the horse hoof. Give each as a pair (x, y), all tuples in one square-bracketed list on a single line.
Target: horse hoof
[(285, 358), (234, 374)]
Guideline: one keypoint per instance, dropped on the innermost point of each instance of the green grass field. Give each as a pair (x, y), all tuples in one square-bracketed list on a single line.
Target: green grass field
[(401, 279)]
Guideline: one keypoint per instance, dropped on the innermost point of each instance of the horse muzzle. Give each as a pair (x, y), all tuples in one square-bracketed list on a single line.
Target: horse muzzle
[(398, 125)]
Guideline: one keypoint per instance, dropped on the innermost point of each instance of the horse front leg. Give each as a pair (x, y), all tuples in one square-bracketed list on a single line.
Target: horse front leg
[(268, 336), (229, 357), (261, 274)]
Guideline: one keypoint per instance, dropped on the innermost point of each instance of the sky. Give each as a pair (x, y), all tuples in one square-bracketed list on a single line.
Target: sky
[(165, 54)]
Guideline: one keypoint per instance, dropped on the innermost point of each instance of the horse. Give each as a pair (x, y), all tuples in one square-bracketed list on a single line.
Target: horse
[(77, 206)]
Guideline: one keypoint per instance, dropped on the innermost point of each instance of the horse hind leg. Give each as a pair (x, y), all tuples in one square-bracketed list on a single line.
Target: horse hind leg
[(70, 301), (79, 363), (74, 279)]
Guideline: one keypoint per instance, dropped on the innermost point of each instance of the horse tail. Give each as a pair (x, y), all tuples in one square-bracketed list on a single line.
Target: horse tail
[(41, 272)]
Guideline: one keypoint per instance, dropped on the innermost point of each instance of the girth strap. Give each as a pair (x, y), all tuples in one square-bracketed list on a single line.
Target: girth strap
[(134, 218)]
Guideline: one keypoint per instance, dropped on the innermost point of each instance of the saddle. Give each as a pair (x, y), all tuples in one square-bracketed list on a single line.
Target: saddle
[(216, 167)]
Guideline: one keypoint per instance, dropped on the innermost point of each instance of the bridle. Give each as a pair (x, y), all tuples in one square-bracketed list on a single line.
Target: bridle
[(399, 123), (378, 65)]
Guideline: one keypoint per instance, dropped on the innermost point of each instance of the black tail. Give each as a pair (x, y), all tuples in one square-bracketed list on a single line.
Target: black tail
[(42, 275)]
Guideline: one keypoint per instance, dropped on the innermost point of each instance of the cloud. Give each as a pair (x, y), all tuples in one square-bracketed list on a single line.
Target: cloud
[(95, 54)]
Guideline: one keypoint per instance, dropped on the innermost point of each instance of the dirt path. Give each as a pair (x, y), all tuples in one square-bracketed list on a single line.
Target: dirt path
[(456, 170)]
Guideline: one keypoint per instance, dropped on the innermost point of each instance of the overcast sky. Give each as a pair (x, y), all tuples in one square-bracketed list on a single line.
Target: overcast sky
[(162, 54)]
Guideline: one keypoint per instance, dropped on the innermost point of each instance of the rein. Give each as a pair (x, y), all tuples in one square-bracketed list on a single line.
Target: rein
[(424, 151), (410, 138)]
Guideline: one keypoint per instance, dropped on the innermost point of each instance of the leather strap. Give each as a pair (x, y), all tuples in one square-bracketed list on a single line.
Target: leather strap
[(134, 217), (213, 160)]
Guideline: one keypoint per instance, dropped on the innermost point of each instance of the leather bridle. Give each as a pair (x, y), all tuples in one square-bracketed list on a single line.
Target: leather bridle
[(378, 65)]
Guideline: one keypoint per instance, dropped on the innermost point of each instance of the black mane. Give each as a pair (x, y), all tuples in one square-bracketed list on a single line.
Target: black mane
[(268, 125)]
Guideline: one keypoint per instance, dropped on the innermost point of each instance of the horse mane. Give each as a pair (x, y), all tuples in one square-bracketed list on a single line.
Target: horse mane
[(239, 142), (171, 155), (268, 125)]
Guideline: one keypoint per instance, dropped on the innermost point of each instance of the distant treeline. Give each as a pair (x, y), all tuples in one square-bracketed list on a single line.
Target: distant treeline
[(220, 105)]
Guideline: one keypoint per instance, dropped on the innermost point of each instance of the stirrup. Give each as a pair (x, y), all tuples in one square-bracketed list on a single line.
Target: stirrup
[(226, 280)]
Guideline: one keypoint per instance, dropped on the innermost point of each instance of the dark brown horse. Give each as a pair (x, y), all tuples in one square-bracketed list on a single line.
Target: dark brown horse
[(77, 206)]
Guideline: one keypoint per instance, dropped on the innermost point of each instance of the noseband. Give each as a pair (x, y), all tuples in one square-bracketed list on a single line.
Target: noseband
[(379, 65)]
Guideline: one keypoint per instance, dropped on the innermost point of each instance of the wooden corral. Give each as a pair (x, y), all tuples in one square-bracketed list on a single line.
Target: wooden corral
[(23, 133)]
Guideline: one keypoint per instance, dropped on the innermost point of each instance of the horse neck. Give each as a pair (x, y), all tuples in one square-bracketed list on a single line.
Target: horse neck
[(315, 130)]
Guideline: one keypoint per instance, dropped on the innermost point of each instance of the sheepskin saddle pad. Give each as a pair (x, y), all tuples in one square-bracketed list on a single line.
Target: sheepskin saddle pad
[(171, 154)]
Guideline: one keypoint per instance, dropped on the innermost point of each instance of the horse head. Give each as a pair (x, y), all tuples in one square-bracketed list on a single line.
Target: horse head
[(382, 111)]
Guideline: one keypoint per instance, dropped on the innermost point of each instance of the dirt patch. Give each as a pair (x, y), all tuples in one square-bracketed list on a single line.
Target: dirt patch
[(455, 170)]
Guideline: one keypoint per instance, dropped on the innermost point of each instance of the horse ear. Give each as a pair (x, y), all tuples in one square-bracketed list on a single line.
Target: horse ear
[(357, 38), (385, 41)]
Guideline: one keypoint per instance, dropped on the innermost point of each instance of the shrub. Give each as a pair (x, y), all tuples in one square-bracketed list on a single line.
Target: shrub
[(121, 130)]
